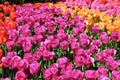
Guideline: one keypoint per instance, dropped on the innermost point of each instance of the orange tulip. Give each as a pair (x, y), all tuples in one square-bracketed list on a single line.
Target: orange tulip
[(1, 65), (103, 1), (1, 53), (6, 3), (11, 25), (36, 5), (13, 15), (1, 15)]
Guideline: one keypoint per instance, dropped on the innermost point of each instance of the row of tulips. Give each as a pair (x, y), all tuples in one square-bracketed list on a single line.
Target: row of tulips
[(93, 17), (7, 20), (53, 42), (111, 7)]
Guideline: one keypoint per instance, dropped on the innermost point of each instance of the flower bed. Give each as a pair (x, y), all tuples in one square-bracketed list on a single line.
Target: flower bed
[(55, 42)]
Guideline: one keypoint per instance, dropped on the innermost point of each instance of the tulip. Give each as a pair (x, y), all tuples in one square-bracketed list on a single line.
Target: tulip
[(20, 75), (103, 77), (29, 57), (64, 45), (93, 48), (84, 42), (22, 64), (47, 55), (95, 29), (34, 67), (10, 45), (102, 70), (62, 62), (113, 65), (74, 45), (15, 61), (37, 55), (115, 75), (115, 36), (96, 42), (79, 75), (1, 53), (91, 75), (27, 46)]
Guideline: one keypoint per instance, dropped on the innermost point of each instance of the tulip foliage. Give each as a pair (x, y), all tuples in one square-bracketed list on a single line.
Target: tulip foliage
[(48, 42)]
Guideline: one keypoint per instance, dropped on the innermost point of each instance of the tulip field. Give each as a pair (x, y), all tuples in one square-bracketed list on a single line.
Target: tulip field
[(66, 40)]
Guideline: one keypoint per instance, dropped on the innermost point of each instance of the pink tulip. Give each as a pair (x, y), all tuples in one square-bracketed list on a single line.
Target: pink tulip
[(29, 57), (15, 61), (115, 75), (22, 65), (84, 42), (93, 48), (95, 29), (91, 75), (10, 45), (37, 55), (77, 75), (62, 62), (20, 75), (102, 70), (64, 45), (115, 36), (113, 65), (34, 67), (103, 77), (47, 55), (96, 42)]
